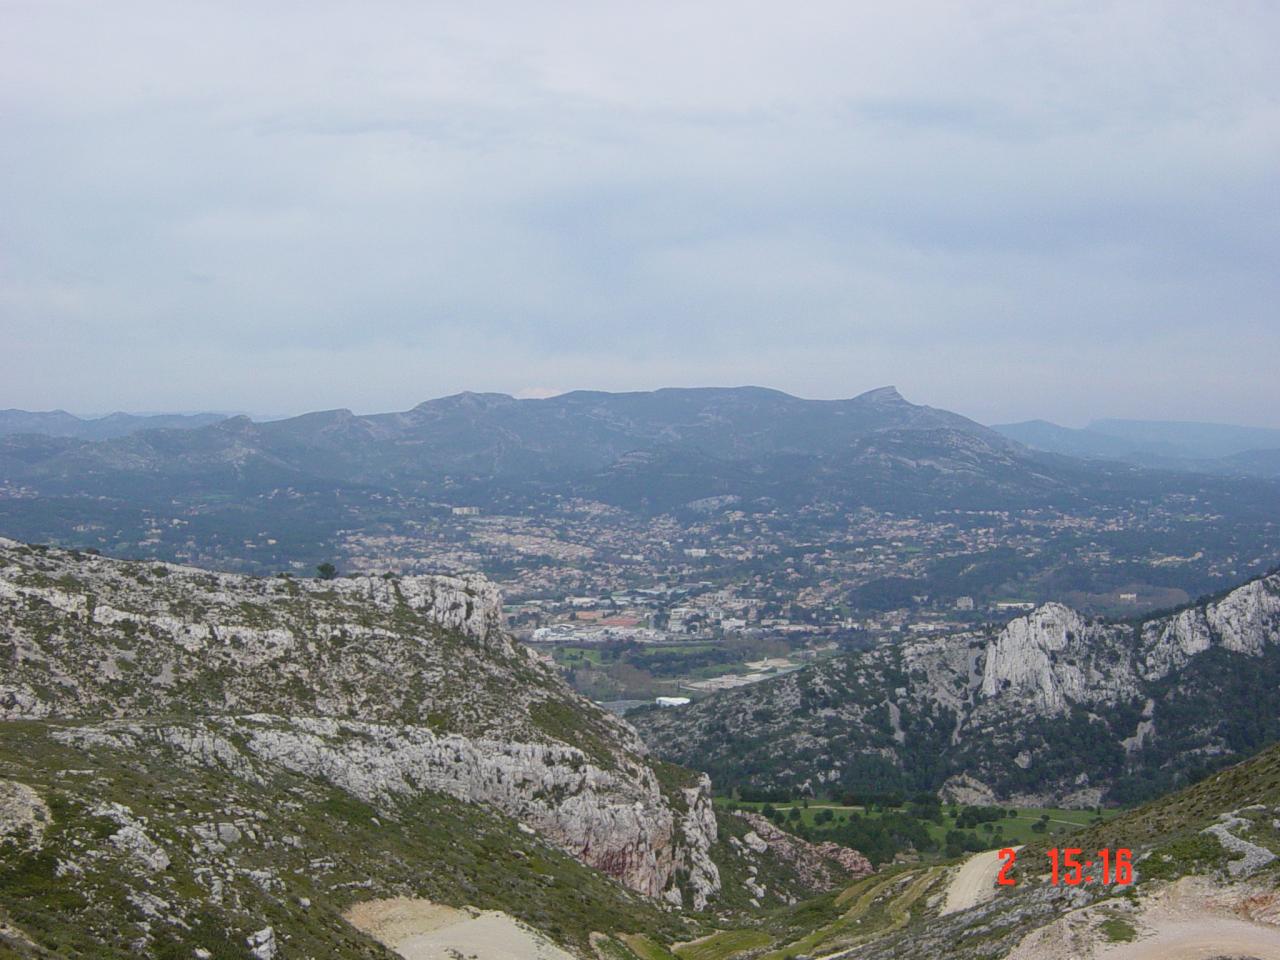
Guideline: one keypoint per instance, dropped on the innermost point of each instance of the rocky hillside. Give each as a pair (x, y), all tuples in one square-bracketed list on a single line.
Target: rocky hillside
[(383, 694), (1053, 707), (377, 685)]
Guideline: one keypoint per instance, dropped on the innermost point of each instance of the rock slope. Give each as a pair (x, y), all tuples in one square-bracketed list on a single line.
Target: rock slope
[(382, 687), (1051, 707)]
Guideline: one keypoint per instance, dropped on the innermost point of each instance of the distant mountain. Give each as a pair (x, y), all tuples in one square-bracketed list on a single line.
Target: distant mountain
[(1043, 435), (59, 423), (299, 489), (1052, 709), (642, 450), (1204, 441), (1200, 447)]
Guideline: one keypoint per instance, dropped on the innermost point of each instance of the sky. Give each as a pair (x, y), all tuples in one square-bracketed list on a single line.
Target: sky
[(1012, 210)]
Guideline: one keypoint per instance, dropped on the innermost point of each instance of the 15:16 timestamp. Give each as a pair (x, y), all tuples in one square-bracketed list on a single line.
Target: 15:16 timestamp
[(1065, 866)]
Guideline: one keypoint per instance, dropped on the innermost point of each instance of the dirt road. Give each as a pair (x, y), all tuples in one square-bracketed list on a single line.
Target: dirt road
[(974, 883), (422, 930)]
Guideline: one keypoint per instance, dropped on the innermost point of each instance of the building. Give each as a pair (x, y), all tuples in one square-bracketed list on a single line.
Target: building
[(672, 701)]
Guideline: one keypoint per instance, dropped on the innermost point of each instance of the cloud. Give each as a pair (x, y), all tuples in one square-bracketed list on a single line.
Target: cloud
[(1015, 209)]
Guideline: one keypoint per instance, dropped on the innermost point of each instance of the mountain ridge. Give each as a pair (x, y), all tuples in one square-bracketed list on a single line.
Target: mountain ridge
[(60, 423), (575, 443)]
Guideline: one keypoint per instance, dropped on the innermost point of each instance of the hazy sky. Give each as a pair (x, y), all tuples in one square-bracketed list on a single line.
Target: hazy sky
[(1012, 210)]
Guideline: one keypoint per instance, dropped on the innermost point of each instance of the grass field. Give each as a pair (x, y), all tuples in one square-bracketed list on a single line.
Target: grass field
[(1013, 830)]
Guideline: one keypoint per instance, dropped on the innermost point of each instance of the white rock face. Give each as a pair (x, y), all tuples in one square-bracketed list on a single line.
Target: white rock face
[(132, 837), (1053, 657), (1048, 658), (698, 829), (962, 788), (262, 945)]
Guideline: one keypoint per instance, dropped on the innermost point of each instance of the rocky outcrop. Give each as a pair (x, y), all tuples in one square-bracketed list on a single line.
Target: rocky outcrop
[(103, 637), (820, 866), (1054, 657), (697, 830), (616, 820), (965, 789)]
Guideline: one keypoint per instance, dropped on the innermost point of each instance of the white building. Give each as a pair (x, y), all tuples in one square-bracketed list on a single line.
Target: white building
[(672, 701)]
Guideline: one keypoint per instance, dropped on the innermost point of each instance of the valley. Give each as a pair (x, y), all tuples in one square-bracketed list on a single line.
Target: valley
[(818, 513)]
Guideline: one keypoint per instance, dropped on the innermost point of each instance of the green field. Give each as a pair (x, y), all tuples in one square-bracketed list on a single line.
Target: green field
[(1013, 830)]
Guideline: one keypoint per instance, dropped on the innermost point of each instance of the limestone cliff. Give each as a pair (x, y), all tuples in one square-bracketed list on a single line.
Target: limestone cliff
[(1049, 660)]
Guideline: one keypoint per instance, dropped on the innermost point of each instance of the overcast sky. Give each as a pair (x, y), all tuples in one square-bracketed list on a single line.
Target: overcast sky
[(1013, 210)]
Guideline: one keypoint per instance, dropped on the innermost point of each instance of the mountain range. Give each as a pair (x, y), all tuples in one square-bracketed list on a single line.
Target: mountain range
[(766, 469), (574, 435), (585, 430), (651, 451)]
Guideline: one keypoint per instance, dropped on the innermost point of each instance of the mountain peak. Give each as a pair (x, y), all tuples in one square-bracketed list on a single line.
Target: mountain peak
[(466, 398), (882, 396)]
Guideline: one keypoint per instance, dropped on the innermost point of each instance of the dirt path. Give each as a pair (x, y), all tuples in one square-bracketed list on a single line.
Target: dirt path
[(1194, 918), (1201, 940), (974, 882)]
